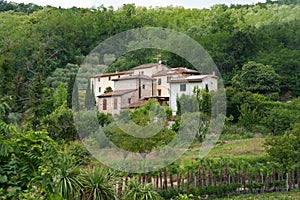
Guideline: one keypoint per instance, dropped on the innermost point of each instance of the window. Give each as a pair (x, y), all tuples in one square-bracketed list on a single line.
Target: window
[(104, 104), (159, 92), (115, 103), (99, 89), (182, 87), (206, 87), (98, 79), (159, 81), (109, 78), (119, 76), (169, 78), (129, 100), (143, 86), (141, 73)]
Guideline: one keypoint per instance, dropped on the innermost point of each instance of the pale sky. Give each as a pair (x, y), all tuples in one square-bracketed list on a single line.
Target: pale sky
[(147, 3)]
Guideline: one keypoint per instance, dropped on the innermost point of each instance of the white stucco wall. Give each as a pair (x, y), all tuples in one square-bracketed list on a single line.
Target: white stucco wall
[(149, 71), (126, 84), (104, 82), (211, 82)]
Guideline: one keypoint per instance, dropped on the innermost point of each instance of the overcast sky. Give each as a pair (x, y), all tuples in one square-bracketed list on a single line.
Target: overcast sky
[(147, 3)]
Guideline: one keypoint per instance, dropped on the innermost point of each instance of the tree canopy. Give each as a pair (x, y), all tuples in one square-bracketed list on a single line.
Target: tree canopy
[(256, 77)]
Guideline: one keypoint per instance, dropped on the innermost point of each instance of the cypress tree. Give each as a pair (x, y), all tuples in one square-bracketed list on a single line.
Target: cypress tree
[(89, 102), (72, 96)]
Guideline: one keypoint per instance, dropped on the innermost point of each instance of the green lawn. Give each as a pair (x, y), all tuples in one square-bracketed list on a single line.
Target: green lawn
[(245, 147), (236, 148), (270, 196)]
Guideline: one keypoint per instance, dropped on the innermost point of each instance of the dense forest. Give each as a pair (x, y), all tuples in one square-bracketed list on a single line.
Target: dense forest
[(255, 47)]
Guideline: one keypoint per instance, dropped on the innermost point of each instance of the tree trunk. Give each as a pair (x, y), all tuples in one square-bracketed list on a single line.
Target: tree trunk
[(298, 176), (179, 180), (161, 181), (290, 180), (221, 176), (165, 179), (199, 178), (126, 180), (188, 181), (215, 181), (210, 177), (120, 188), (273, 175), (244, 178), (293, 179), (226, 175), (144, 179), (204, 176), (267, 183), (287, 181), (171, 179)]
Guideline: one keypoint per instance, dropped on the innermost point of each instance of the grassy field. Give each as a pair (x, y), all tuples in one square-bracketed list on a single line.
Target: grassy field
[(236, 148), (246, 147), (270, 196)]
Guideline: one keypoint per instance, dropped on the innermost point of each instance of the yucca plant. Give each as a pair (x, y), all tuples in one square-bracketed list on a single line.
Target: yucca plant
[(137, 191), (97, 185), (68, 178)]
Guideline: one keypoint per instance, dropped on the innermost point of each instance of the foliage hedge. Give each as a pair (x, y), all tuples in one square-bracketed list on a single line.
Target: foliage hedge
[(216, 191)]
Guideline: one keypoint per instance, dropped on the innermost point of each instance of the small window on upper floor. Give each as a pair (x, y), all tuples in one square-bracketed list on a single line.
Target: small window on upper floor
[(141, 73), (99, 89), (159, 81), (98, 79), (119, 76), (129, 100), (143, 86), (182, 87), (109, 78), (169, 78)]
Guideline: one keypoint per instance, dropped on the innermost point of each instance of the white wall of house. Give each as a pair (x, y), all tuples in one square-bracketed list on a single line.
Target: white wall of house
[(146, 85), (126, 84), (101, 82), (149, 71), (162, 80), (162, 85), (176, 88)]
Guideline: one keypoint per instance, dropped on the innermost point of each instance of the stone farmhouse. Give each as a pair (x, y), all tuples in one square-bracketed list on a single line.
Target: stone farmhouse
[(129, 89)]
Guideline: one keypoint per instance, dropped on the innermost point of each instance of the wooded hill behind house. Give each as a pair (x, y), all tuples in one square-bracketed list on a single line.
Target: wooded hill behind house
[(255, 47), (46, 41)]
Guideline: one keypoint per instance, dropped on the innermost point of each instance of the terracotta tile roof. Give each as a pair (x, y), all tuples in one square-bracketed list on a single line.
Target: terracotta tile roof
[(179, 70), (116, 93), (112, 74), (197, 78), (137, 103), (148, 66), (134, 77)]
